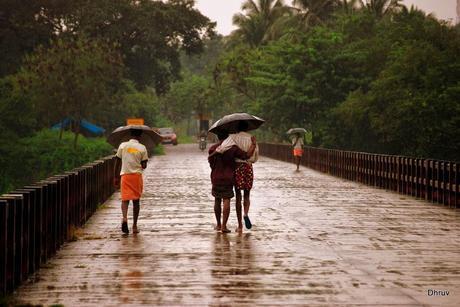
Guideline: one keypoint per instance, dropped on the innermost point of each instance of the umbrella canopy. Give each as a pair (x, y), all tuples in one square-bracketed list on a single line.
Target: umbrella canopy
[(296, 130), (123, 134), (229, 123)]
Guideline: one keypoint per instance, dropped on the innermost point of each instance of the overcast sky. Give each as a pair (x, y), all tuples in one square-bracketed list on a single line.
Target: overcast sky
[(222, 11)]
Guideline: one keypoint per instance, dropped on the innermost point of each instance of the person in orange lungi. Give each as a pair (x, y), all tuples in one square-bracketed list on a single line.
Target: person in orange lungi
[(297, 144), (133, 156)]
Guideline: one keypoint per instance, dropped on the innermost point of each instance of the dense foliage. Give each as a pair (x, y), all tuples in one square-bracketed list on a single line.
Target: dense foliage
[(365, 75), (43, 154), (150, 34), (102, 61), (71, 78), (378, 77)]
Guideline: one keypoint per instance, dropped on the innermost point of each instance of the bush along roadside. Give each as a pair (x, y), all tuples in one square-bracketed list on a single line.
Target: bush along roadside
[(34, 158)]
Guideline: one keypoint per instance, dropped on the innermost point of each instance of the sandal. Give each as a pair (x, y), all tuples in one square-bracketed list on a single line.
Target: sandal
[(124, 227), (247, 222)]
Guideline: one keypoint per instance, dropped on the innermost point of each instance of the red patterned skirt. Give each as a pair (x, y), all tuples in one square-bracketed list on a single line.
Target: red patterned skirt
[(244, 176)]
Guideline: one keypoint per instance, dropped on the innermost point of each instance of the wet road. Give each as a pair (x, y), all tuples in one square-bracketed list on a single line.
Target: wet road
[(316, 240)]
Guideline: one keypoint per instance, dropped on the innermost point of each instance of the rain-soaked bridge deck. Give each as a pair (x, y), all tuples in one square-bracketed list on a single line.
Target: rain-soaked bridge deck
[(316, 240)]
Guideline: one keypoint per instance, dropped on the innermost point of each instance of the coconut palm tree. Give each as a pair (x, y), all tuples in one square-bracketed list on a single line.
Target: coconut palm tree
[(255, 23), (382, 8), (312, 12), (349, 6)]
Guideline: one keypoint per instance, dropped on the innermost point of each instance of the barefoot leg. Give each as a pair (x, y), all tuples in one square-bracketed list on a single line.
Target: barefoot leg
[(226, 214), (124, 210), (238, 208), (218, 212), (247, 201)]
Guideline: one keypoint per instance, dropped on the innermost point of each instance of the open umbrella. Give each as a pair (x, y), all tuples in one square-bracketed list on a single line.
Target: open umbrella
[(296, 130), (122, 134), (229, 123)]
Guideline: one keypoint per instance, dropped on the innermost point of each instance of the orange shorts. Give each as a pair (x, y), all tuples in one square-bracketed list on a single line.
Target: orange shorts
[(298, 152), (131, 186)]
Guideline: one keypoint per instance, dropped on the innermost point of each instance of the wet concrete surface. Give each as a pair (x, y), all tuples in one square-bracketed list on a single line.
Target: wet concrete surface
[(316, 240)]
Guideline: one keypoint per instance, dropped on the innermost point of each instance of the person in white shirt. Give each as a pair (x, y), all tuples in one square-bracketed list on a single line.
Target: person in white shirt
[(297, 144), (244, 174), (133, 157)]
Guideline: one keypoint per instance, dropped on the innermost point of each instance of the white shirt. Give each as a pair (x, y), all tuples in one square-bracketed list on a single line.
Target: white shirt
[(243, 141), (132, 153), (297, 142)]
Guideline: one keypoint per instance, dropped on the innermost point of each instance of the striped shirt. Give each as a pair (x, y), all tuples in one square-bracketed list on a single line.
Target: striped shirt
[(243, 141)]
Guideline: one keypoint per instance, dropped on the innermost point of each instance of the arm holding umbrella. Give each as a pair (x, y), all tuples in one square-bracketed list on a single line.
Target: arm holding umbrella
[(228, 143), (116, 173), (117, 168), (249, 153), (251, 149)]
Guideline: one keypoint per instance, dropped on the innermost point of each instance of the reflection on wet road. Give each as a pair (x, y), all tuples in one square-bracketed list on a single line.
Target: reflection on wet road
[(316, 240)]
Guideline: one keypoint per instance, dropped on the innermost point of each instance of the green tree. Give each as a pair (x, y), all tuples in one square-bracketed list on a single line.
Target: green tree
[(313, 12), (380, 8), (411, 106), (259, 17), (22, 28), (349, 6), (129, 102), (204, 63), (359, 82), (71, 78), (150, 34), (193, 95)]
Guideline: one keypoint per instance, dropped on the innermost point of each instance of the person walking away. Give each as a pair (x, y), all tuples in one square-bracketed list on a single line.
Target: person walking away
[(244, 174), (133, 157), (297, 144), (202, 139), (223, 178)]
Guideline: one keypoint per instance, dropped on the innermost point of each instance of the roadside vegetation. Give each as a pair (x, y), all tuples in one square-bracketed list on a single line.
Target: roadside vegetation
[(102, 61), (372, 76), (369, 75), (43, 154)]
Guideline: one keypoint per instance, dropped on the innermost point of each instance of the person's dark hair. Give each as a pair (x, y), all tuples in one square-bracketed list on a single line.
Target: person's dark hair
[(222, 135), (136, 132), (242, 126)]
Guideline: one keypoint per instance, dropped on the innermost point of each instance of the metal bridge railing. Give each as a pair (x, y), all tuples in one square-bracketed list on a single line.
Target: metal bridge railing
[(433, 180), (37, 219)]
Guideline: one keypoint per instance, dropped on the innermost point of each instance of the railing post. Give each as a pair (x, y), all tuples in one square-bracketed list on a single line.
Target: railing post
[(37, 226), (418, 177), (457, 185), (430, 180), (445, 182), (25, 219), (412, 177), (3, 246), (436, 181), (17, 202), (11, 243), (450, 185), (54, 215)]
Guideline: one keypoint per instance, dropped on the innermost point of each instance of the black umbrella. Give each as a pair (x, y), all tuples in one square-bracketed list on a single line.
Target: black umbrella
[(122, 134), (296, 130), (229, 123)]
